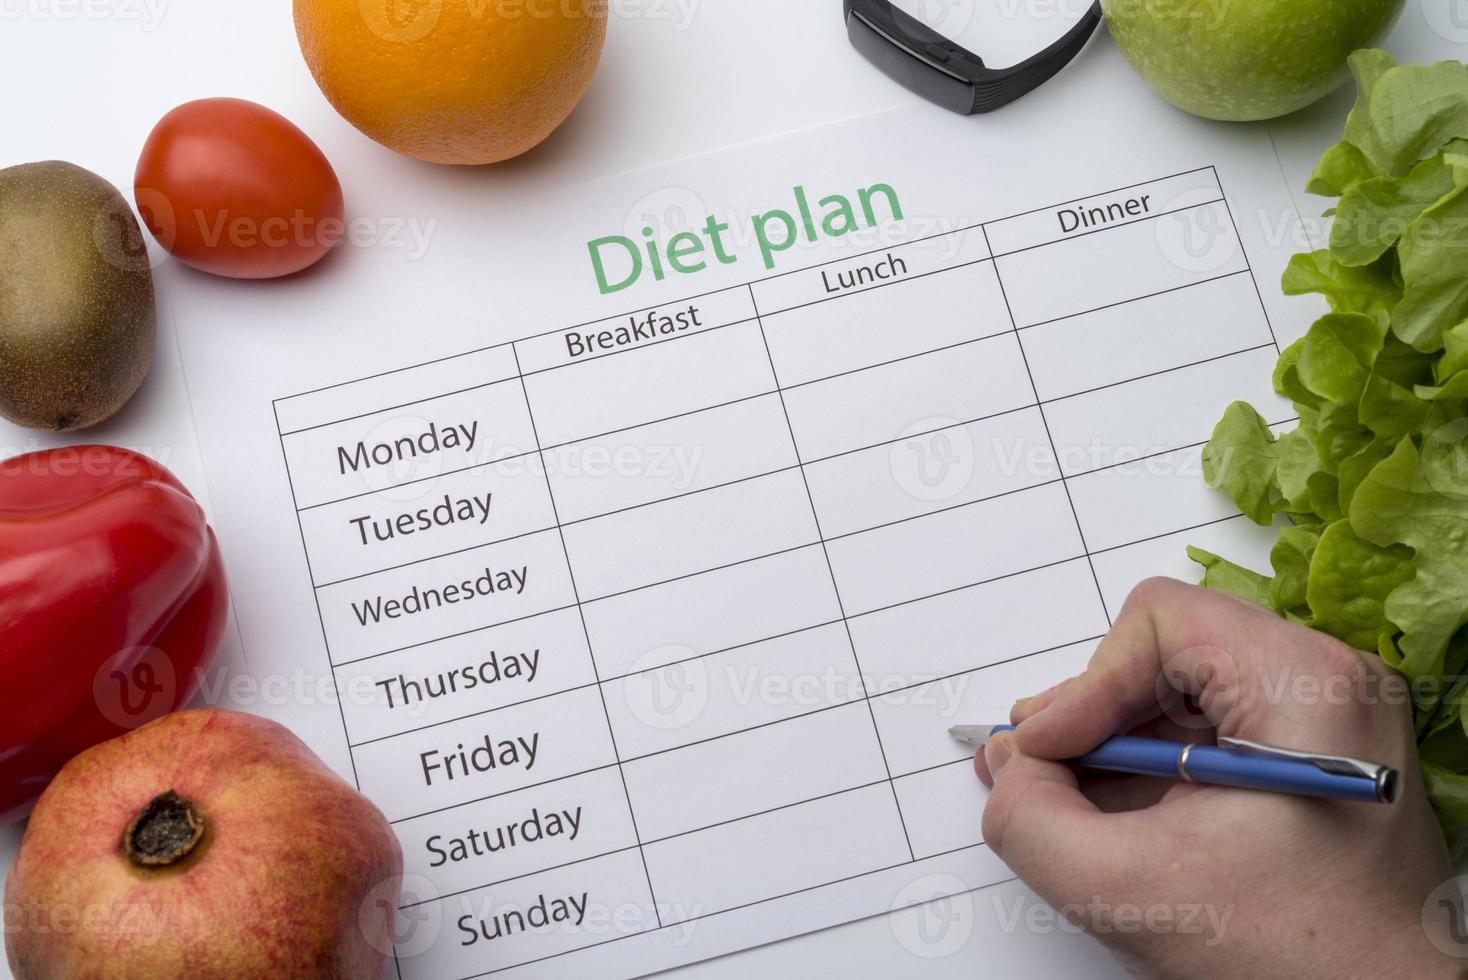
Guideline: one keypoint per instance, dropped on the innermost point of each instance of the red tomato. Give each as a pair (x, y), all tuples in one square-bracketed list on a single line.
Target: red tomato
[(234, 189)]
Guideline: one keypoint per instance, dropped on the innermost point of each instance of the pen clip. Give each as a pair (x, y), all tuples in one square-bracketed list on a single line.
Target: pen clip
[(1384, 777)]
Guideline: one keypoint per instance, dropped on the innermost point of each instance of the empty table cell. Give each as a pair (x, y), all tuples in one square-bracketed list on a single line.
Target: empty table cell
[(650, 384), (931, 470), (1142, 337), (427, 518), (878, 405), (464, 675), (1151, 497), (914, 723), (654, 462), (913, 317), (391, 452), (778, 853), (445, 597), (517, 834), (1160, 413), (425, 382), (529, 919), (1123, 569), (1121, 264), (475, 758), (755, 771), (693, 700), (690, 534), (954, 549), (712, 611), (943, 808), (1015, 616)]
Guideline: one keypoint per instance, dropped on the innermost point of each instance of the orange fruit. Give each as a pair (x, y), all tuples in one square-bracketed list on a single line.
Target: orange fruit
[(453, 81)]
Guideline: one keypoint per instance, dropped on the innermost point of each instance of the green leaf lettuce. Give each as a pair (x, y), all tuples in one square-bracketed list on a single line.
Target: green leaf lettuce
[(1370, 491)]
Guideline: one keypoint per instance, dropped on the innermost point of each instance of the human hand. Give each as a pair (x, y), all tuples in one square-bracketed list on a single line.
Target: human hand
[(1293, 886)]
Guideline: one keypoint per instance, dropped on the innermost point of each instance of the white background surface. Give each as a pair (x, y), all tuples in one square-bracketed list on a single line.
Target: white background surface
[(85, 80)]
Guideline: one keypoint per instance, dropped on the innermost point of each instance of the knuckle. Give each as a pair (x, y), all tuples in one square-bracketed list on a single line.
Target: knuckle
[(1347, 685), (1189, 615), (1117, 687), (1155, 591), (1331, 658)]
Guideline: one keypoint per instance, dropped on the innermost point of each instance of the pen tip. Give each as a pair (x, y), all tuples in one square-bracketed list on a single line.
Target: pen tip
[(972, 734)]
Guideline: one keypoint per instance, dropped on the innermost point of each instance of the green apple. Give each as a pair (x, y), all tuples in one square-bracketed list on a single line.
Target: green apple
[(1245, 59)]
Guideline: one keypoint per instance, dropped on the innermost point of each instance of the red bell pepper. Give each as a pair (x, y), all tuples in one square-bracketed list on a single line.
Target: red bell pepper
[(112, 605)]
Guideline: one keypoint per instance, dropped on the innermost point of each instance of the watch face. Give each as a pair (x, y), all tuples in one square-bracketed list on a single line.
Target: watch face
[(904, 65)]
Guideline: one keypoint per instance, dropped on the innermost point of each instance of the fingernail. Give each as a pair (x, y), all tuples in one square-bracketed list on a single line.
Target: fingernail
[(997, 753)]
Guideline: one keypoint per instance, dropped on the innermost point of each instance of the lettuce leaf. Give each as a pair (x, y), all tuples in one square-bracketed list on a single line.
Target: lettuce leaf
[(1433, 251), (1374, 478), (1405, 114), (1415, 500), (1351, 581), (1242, 460), (1374, 212)]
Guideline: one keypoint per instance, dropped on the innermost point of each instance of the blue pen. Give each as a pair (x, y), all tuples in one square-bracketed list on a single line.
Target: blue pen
[(1233, 762)]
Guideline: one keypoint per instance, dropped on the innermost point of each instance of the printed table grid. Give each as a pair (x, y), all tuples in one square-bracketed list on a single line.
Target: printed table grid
[(1012, 328)]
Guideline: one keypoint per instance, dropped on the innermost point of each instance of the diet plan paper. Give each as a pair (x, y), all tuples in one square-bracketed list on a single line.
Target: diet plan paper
[(647, 539)]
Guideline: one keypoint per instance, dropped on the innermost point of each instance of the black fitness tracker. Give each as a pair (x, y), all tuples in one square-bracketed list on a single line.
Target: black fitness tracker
[(918, 57)]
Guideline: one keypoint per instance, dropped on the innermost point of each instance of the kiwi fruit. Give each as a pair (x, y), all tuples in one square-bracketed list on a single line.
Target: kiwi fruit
[(77, 314)]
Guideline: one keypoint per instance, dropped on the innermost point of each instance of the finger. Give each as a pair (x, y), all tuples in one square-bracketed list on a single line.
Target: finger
[(1164, 644), (981, 769), (1110, 792), (1041, 825), (1025, 707)]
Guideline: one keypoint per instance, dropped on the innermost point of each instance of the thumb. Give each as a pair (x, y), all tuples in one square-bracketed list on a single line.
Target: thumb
[(1040, 824)]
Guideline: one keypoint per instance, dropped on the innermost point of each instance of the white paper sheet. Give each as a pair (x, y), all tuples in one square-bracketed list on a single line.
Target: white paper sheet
[(699, 603)]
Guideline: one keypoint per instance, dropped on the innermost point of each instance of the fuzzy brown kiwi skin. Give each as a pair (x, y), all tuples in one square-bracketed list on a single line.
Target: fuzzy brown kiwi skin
[(77, 313)]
